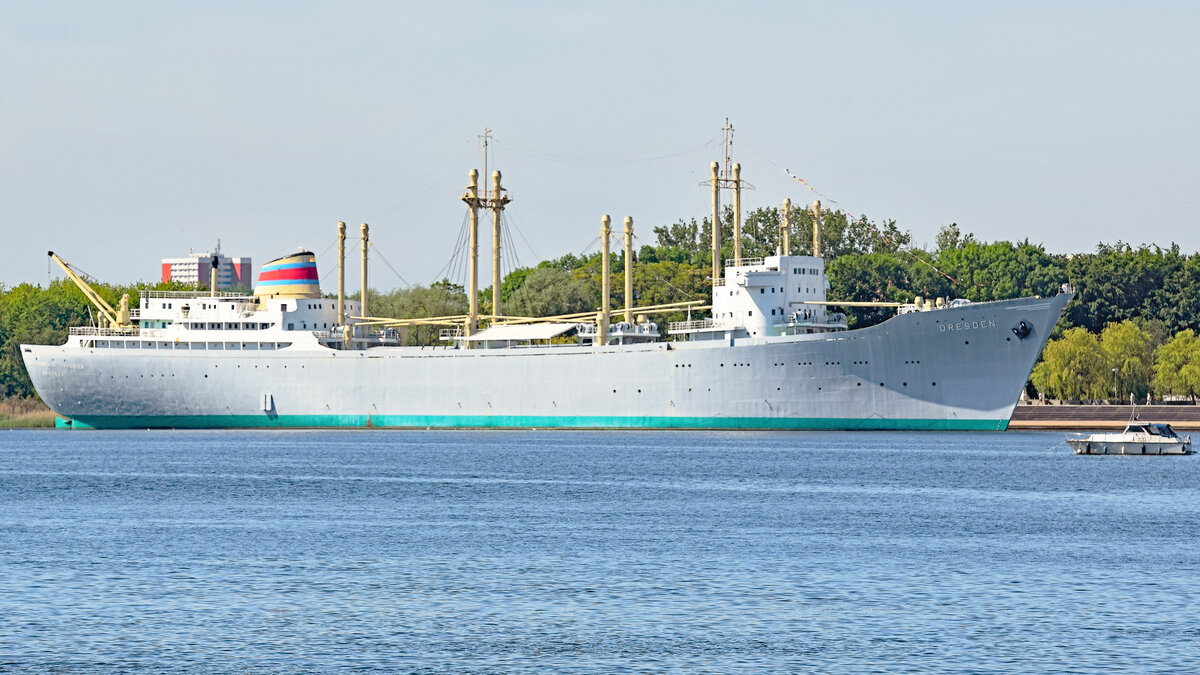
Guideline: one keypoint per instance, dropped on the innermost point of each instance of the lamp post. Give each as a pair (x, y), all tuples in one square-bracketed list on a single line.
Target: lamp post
[(1116, 394)]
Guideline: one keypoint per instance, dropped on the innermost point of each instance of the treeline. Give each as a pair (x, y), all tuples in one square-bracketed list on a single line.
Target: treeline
[(1155, 290), (1125, 360)]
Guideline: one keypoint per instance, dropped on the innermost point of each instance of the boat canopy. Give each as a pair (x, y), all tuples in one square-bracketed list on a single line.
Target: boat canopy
[(1163, 430), (521, 332)]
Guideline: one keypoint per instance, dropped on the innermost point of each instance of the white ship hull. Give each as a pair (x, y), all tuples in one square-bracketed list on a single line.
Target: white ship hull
[(955, 368)]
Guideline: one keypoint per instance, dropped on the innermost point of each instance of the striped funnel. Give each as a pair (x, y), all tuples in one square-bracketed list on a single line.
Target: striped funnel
[(292, 276)]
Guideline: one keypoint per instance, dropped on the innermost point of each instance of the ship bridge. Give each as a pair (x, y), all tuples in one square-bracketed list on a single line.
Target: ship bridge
[(760, 297)]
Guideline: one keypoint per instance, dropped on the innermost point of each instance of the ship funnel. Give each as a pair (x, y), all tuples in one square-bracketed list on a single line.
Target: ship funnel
[(292, 276), (212, 276)]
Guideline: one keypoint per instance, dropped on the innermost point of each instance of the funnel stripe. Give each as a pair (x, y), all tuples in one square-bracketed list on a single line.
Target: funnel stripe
[(304, 273)]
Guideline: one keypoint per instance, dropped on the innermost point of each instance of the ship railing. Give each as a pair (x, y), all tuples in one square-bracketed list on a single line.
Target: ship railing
[(447, 334), (117, 332), (699, 324), (321, 334), (746, 262), (135, 313), (224, 295), (719, 282)]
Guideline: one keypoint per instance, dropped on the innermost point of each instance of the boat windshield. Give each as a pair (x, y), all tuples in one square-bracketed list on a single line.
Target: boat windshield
[(1164, 430)]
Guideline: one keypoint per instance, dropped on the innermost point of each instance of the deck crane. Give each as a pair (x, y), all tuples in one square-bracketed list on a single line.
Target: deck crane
[(114, 318)]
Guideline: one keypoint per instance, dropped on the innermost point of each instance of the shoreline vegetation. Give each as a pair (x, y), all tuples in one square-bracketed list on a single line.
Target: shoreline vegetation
[(25, 413), (1132, 328)]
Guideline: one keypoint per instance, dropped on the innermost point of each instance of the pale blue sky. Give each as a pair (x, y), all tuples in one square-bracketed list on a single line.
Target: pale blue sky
[(137, 130)]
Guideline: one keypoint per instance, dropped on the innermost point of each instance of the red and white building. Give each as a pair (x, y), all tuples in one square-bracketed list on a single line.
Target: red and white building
[(195, 268)]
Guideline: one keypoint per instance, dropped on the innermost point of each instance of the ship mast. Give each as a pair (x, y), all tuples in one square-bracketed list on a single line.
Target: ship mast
[(494, 201), (728, 177)]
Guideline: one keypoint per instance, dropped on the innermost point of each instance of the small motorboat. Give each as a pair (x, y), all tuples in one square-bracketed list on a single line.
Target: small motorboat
[(1139, 438)]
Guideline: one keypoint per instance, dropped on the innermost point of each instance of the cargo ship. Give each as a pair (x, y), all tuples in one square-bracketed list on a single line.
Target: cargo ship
[(772, 354)]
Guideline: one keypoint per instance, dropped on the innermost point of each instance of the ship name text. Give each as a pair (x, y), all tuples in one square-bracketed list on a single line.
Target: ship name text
[(966, 325)]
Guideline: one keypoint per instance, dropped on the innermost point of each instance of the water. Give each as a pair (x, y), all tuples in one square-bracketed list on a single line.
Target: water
[(593, 552)]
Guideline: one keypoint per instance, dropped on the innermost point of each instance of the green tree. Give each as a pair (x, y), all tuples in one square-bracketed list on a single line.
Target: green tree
[(551, 291), (441, 298), (680, 242), (1072, 367), (951, 237), (1000, 270), (1119, 282), (877, 277), (1128, 349), (1177, 366), (34, 315), (1180, 295)]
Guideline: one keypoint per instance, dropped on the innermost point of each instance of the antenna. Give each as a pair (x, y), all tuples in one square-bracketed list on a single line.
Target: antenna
[(730, 178), (485, 137), (728, 145)]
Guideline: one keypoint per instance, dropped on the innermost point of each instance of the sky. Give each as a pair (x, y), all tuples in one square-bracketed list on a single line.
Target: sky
[(134, 131)]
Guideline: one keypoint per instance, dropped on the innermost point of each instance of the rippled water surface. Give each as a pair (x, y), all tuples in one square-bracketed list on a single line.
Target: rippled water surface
[(593, 552)]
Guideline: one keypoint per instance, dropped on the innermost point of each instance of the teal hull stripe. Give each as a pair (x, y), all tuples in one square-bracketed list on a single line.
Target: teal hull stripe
[(515, 422)]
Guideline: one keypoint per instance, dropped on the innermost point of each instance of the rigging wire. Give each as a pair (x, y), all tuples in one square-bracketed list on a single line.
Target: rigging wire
[(664, 281), (443, 172), (322, 253), (847, 212), (509, 244), (459, 274), (595, 240), (520, 231), (580, 161), (457, 250), (389, 265)]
